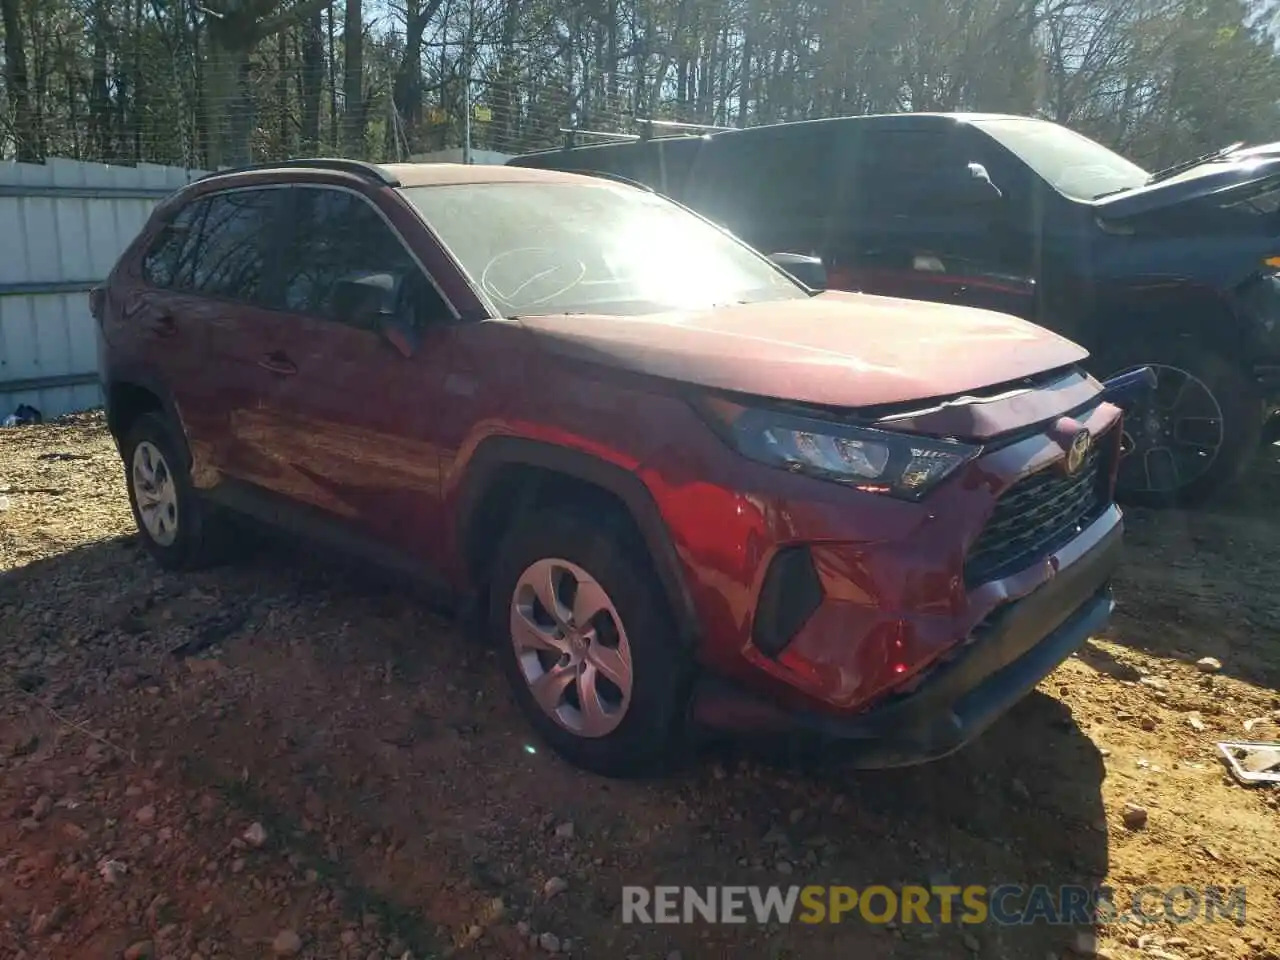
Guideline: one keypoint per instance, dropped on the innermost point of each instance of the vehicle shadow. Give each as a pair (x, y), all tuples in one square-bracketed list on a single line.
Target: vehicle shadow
[(382, 747), (1201, 583), (1020, 806)]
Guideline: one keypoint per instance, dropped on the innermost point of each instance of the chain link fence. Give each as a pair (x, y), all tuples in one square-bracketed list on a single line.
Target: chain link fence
[(276, 112)]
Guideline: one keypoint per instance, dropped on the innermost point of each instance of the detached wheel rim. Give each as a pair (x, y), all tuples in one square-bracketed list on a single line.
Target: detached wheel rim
[(1173, 436), (155, 494), (571, 647)]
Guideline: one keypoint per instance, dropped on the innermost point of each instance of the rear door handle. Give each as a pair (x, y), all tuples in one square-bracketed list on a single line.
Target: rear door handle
[(278, 364), (164, 325)]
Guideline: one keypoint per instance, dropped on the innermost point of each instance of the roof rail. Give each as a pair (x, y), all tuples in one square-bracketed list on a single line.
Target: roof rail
[(369, 171), (690, 127), (678, 130), (570, 133), (599, 133), (617, 177)]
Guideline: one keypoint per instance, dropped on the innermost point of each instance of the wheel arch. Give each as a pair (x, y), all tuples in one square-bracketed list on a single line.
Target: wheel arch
[(507, 476), (130, 396), (1164, 308)]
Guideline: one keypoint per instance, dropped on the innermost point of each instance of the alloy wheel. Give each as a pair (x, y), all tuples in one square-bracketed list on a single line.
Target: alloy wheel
[(1173, 435), (571, 647), (155, 493)]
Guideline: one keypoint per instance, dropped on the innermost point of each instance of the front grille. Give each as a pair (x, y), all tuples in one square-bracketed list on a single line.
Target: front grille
[(1039, 514)]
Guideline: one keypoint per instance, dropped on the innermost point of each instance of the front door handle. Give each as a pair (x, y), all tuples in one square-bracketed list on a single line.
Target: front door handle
[(164, 325), (278, 364)]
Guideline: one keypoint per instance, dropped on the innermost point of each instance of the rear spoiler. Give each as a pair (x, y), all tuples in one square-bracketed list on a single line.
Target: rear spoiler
[(1125, 388)]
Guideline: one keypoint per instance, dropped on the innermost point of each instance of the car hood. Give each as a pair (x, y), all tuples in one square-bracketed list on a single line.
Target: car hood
[(836, 349), (1239, 175)]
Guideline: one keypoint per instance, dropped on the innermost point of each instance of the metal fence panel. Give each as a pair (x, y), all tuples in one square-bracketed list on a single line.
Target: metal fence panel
[(63, 224)]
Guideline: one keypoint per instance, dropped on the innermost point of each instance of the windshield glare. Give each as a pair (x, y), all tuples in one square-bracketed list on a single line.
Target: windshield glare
[(1072, 163), (592, 247)]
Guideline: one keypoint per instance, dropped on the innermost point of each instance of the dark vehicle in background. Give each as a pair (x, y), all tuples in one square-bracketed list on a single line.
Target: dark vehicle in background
[(1178, 269)]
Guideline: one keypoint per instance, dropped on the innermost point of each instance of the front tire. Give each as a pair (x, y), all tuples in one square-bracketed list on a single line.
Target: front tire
[(1194, 434), (171, 518), (588, 644)]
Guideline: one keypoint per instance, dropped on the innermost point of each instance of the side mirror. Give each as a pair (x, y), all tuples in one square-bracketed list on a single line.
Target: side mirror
[(362, 299), (375, 301), (808, 270)]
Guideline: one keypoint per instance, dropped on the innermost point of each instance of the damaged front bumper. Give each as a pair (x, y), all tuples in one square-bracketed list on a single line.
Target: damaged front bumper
[(960, 697)]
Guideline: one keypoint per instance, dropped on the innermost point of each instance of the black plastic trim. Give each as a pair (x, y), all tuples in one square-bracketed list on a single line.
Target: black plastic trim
[(498, 452), (789, 595), (144, 381), (313, 524)]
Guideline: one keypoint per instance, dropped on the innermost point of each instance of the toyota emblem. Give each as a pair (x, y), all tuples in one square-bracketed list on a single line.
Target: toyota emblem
[(1077, 453)]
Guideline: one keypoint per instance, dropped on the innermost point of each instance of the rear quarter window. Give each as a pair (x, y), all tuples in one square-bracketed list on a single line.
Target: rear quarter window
[(169, 261), (217, 246)]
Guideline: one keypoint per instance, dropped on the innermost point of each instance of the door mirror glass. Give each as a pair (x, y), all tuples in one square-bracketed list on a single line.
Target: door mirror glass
[(808, 270), (363, 298), (378, 301)]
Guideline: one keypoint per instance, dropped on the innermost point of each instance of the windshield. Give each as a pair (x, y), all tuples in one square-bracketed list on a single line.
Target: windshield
[(1072, 163), (593, 247)]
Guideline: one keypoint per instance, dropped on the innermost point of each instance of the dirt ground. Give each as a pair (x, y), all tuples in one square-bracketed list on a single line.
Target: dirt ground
[(280, 757)]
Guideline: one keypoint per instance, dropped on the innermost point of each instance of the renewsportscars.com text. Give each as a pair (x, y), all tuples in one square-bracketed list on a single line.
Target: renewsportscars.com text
[(1006, 904)]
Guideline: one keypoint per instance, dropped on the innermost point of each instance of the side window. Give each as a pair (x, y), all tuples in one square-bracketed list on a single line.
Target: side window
[(337, 234), (891, 167), (1014, 178), (661, 164), (169, 261), (769, 189), (230, 261)]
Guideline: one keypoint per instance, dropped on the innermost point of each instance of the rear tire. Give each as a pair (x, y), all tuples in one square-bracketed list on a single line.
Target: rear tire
[(172, 519), (1195, 434), (612, 682)]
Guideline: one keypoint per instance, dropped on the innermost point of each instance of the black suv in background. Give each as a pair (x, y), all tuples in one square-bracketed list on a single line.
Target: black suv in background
[(1178, 269)]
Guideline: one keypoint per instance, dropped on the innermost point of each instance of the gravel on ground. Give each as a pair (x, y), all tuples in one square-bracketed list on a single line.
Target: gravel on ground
[(284, 757)]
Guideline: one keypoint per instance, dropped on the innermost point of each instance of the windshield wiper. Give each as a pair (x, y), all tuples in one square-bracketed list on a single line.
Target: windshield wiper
[(1168, 172)]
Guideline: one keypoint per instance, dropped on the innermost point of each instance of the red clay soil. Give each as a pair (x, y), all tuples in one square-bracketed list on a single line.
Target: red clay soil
[(280, 758)]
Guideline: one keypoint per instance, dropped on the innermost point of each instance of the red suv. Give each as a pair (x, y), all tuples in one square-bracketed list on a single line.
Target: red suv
[(688, 490)]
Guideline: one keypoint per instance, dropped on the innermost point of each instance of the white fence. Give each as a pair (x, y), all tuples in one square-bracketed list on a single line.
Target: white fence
[(62, 225)]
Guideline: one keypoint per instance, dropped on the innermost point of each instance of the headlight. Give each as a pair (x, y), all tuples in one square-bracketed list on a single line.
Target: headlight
[(875, 461)]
